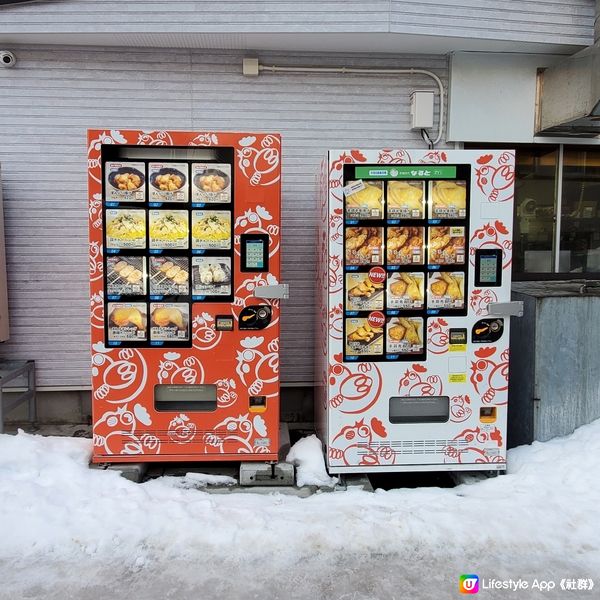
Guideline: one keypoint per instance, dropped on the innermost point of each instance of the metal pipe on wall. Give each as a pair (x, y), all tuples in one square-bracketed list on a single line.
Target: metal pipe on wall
[(362, 71)]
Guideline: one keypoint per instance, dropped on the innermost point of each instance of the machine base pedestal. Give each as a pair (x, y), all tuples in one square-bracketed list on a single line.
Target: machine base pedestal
[(263, 474), (354, 481), (132, 471)]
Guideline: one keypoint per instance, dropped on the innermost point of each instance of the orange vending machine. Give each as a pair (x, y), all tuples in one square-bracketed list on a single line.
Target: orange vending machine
[(184, 266)]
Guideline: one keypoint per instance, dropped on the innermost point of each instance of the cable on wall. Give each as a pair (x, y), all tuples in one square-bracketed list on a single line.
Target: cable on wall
[(252, 67)]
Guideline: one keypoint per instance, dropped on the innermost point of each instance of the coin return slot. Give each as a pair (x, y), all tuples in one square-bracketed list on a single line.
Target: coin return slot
[(192, 398), (258, 403), (487, 414)]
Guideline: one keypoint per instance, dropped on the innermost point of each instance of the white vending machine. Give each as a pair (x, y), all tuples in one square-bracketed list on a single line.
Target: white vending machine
[(414, 293)]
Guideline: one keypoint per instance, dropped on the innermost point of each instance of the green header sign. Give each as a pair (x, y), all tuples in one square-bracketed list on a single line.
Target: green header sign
[(406, 172)]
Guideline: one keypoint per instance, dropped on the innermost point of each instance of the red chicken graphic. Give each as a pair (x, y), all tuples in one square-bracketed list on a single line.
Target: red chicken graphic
[(475, 446), (490, 377), (492, 235), (496, 180), (353, 444)]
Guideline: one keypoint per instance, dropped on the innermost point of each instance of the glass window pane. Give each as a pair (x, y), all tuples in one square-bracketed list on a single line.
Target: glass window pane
[(535, 201), (580, 211)]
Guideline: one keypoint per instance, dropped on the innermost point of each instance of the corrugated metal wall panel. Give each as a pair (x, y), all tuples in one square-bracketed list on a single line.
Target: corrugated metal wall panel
[(565, 21), (56, 94), (550, 21), (188, 16)]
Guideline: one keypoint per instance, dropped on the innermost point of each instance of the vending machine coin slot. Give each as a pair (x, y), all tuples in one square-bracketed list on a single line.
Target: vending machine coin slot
[(257, 316), (487, 331)]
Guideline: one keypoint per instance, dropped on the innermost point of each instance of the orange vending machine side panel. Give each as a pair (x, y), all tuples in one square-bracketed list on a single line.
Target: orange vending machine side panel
[(235, 373)]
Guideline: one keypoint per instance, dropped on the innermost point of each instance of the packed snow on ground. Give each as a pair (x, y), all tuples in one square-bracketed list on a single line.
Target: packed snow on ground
[(307, 455), (67, 531), (204, 479)]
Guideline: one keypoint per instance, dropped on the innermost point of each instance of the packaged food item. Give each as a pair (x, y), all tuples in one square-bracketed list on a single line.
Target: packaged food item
[(447, 199), (364, 245), (364, 336), (127, 322), (125, 228), (406, 290), (364, 200), (125, 275), (446, 290), (211, 276), (169, 321), (364, 291), (211, 182), (169, 276), (169, 229), (124, 181), (447, 245), (211, 229), (168, 182), (405, 200), (404, 335), (405, 245)]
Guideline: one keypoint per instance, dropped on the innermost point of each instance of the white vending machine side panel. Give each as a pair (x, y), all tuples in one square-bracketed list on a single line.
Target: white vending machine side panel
[(322, 317)]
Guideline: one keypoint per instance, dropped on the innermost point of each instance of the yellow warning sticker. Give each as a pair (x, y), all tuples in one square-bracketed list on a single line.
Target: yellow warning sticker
[(457, 377), (457, 348)]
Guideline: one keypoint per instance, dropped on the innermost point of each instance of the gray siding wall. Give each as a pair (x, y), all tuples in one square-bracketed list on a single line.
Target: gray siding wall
[(551, 21), (554, 21), (55, 94)]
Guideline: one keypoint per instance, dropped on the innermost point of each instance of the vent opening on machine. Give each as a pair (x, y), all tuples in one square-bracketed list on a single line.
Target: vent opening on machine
[(192, 398), (417, 409)]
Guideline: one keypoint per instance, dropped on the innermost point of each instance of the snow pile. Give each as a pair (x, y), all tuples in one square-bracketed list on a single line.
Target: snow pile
[(204, 479), (307, 455), (86, 527), (198, 481)]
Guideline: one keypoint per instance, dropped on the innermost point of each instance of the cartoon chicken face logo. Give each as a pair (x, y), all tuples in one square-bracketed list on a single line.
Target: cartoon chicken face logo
[(495, 179)]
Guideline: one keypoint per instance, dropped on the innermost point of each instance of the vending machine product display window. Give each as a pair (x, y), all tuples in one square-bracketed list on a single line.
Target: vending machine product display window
[(405, 240), (151, 222)]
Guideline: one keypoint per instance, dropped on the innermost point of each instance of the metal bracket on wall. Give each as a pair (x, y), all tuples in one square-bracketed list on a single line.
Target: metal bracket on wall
[(506, 309), (280, 290)]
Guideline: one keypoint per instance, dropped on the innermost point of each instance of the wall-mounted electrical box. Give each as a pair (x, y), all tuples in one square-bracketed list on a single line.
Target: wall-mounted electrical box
[(421, 110)]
